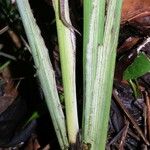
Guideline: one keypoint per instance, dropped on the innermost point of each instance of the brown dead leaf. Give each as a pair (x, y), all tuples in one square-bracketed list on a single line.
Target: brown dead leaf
[(32, 144), (128, 44), (135, 9), (9, 89), (15, 38)]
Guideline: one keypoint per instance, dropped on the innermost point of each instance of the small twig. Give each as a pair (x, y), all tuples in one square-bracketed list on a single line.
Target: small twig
[(146, 42), (124, 135), (116, 137), (145, 119), (16, 87), (8, 56), (20, 78), (145, 113), (25, 44), (148, 113), (118, 100), (133, 135), (4, 30), (4, 65), (47, 147)]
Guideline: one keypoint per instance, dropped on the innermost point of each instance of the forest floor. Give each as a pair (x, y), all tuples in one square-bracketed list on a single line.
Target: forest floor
[(21, 96)]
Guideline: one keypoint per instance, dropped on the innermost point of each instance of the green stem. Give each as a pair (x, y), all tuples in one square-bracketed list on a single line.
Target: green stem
[(66, 39), (93, 36), (98, 85), (44, 70)]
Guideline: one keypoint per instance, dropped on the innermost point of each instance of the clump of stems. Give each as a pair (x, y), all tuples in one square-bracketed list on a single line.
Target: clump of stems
[(101, 28), (100, 42)]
